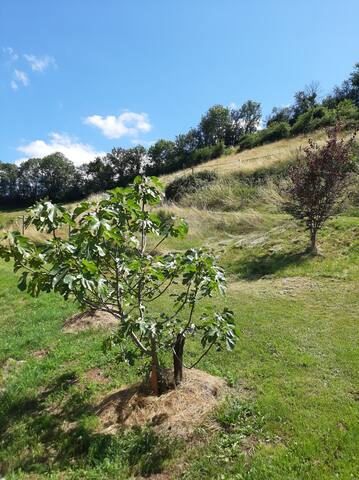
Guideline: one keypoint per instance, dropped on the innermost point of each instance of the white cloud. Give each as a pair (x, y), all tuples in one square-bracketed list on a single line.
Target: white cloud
[(145, 143), (10, 53), (39, 64), (79, 153), (126, 124), (20, 77)]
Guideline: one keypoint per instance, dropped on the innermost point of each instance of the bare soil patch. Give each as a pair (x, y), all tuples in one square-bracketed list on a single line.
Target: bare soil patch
[(96, 375), (40, 353), (90, 320), (176, 412)]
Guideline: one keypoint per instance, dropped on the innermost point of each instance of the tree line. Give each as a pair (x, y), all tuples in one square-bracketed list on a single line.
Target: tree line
[(221, 127)]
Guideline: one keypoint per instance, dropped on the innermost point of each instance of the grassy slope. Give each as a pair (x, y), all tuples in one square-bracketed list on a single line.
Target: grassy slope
[(250, 160), (295, 371)]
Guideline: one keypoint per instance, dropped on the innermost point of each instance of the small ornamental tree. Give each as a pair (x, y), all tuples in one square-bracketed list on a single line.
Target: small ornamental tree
[(111, 262), (319, 180)]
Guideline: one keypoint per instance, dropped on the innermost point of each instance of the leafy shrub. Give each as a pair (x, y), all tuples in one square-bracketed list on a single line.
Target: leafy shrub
[(207, 153), (276, 131), (249, 141), (188, 184), (348, 113), (317, 117), (347, 110)]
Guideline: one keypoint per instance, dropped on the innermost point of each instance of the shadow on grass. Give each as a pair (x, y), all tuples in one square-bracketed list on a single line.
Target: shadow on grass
[(254, 267), (57, 430)]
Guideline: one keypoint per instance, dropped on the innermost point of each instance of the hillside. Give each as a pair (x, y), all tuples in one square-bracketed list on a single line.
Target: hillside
[(293, 408), (250, 160)]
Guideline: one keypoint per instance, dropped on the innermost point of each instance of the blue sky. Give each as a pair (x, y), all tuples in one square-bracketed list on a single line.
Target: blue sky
[(82, 76)]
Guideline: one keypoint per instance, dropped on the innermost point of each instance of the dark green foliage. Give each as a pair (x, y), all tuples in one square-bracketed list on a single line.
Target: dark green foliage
[(276, 131), (305, 100), (118, 167), (215, 124), (348, 90), (161, 153), (279, 114), (207, 153), (348, 114), (8, 181), (52, 176), (317, 117), (188, 184), (249, 141)]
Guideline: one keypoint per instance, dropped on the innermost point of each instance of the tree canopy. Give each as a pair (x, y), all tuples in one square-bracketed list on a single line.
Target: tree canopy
[(111, 262)]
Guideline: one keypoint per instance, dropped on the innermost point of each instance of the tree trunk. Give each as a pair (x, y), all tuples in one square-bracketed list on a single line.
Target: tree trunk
[(155, 376), (313, 242), (178, 359)]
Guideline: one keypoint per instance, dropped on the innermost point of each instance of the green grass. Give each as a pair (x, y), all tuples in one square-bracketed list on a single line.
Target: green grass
[(294, 410), (47, 422)]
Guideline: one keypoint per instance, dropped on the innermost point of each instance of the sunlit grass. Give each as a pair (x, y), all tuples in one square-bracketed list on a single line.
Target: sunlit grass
[(293, 412)]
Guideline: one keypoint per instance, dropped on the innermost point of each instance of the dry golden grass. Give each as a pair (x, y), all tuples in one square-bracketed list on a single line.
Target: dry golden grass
[(207, 225), (251, 160)]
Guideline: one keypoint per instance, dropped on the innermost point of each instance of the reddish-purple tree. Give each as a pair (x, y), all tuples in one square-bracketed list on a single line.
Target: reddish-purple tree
[(319, 181)]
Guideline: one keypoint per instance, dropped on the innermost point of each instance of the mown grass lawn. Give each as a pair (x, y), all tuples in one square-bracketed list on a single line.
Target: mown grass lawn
[(294, 412)]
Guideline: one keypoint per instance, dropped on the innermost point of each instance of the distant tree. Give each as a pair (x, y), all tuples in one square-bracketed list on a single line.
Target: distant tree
[(185, 146), (126, 163), (279, 115), (161, 154), (107, 264), (53, 176), (118, 167), (319, 181), (304, 100), (186, 143), (8, 181), (244, 120), (29, 179), (250, 116), (99, 175), (214, 125), (235, 129), (348, 90), (57, 176), (354, 82)]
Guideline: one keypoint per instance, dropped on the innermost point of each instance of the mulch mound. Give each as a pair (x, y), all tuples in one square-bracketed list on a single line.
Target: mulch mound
[(177, 412), (90, 320)]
